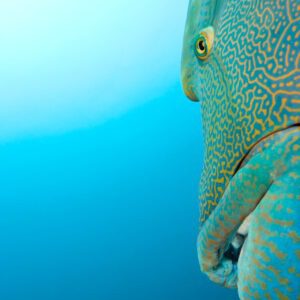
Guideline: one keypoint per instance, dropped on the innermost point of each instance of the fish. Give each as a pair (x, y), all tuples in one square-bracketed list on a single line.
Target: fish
[(241, 62)]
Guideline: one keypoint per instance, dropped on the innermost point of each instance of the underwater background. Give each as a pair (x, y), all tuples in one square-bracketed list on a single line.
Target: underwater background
[(100, 153)]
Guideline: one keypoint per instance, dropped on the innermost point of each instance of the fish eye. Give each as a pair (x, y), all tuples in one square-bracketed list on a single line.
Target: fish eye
[(201, 47), (204, 43)]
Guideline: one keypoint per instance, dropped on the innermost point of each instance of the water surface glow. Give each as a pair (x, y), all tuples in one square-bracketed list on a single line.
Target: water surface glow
[(69, 64)]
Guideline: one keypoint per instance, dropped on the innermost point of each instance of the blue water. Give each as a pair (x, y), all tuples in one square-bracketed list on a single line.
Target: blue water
[(100, 154), (108, 212)]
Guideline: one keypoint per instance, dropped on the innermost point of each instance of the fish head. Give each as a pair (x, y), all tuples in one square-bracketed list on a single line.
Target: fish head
[(241, 61)]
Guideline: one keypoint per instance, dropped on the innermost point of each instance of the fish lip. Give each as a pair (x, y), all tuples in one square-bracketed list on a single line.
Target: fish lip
[(248, 155), (243, 228)]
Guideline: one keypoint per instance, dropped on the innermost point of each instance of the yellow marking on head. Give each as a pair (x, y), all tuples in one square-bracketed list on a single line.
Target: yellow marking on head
[(262, 254), (268, 297), (294, 236), (271, 220), (280, 295)]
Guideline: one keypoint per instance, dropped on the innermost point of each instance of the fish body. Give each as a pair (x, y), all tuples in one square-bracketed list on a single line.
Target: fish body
[(241, 61)]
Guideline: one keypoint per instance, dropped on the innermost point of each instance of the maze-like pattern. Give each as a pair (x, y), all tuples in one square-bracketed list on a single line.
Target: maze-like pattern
[(268, 185), (250, 85)]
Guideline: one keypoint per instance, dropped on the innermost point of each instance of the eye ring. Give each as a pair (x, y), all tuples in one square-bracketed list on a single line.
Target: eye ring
[(201, 47), (204, 43)]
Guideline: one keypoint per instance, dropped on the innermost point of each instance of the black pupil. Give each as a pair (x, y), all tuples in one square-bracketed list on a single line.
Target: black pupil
[(201, 45)]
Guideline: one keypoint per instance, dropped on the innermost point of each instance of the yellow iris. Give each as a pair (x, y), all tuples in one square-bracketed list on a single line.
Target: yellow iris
[(204, 43)]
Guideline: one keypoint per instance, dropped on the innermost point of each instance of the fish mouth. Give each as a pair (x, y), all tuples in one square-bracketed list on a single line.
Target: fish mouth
[(220, 249), (235, 247)]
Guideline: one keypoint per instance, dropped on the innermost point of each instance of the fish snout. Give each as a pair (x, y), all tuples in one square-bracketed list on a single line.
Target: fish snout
[(187, 85)]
